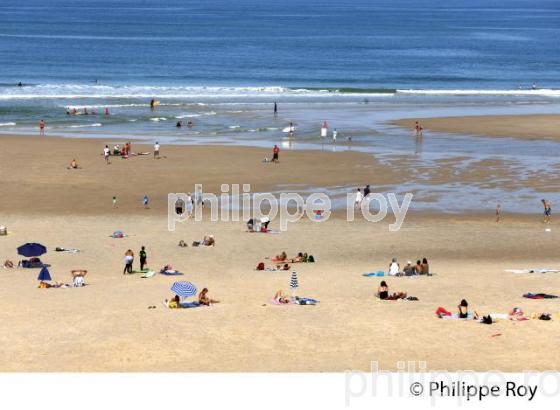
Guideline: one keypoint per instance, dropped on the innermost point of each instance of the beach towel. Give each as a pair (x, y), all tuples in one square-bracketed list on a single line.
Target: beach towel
[(170, 272), (539, 296), (189, 305), (305, 301), (148, 274), (70, 250), (535, 270), (372, 274)]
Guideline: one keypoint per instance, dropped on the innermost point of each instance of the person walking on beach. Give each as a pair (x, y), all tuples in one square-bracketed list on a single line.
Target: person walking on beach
[(359, 197), (547, 210), (334, 134), (156, 150), (42, 128), (498, 212), (366, 191), (128, 260), (106, 153), (115, 202), (143, 257), (146, 202), (275, 153)]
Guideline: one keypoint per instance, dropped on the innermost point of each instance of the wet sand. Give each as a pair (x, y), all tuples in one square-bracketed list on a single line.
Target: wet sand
[(530, 127)]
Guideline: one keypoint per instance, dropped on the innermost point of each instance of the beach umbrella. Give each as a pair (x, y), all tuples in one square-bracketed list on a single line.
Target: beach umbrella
[(44, 275), (184, 289), (31, 249), (294, 282)]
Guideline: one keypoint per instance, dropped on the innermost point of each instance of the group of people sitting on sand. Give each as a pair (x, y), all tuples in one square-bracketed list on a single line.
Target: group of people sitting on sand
[(203, 300), (420, 268), (78, 280), (258, 224)]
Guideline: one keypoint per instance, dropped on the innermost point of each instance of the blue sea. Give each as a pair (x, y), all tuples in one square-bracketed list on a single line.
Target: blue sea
[(222, 65)]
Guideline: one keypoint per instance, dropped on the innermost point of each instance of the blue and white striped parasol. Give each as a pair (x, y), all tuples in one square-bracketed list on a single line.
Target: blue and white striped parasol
[(294, 281), (184, 289)]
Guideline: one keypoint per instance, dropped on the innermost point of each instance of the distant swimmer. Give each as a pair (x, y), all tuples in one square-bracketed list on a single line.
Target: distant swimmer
[(152, 104), (190, 124), (418, 129), (107, 111), (86, 111), (42, 127), (324, 129), (275, 109), (20, 84), (534, 86), (179, 124)]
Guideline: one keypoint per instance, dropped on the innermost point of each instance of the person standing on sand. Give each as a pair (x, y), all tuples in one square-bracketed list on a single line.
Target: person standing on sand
[(275, 109), (498, 212), (359, 198), (366, 191), (42, 128), (275, 153), (547, 210), (143, 257), (146, 202), (106, 153), (156, 150), (115, 202), (128, 261), (334, 134)]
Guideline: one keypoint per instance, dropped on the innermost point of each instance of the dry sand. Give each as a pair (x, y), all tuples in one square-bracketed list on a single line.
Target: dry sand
[(107, 326), (532, 127)]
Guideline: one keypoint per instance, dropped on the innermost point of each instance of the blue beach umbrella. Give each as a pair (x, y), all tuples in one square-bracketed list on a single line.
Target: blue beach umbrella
[(44, 275), (184, 289), (32, 249), (294, 282)]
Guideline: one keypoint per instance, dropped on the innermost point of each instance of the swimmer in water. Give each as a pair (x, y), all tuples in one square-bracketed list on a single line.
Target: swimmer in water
[(179, 124), (152, 104)]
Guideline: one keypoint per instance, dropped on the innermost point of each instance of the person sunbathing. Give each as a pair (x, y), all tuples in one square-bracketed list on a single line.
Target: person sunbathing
[(280, 298), (207, 241), (418, 268), (383, 293), (174, 303), (464, 310), (73, 165), (299, 258), (8, 264), (394, 268), (425, 267), (203, 298), (283, 257), (280, 266)]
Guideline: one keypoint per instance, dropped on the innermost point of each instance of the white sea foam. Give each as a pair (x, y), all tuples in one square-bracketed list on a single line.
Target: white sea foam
[(156, 119), (7, 124), (97, 124), (545, 92)]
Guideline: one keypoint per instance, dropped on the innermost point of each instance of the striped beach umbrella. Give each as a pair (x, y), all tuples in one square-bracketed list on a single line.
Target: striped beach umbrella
[(184, 289), (294, 282)]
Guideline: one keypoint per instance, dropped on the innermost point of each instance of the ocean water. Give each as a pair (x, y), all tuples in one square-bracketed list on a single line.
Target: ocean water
[(222, 64)]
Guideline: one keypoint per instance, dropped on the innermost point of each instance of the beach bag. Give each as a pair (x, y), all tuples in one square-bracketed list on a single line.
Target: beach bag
[(260, 266), (310, 259), (487, 320)]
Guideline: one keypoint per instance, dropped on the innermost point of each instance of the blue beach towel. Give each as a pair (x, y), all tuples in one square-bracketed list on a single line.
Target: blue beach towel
[(373, 274)]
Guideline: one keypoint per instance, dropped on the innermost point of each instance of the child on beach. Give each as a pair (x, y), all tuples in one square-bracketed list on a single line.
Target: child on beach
[(547, 210), (106, 153), (143, 257), (156, 150)]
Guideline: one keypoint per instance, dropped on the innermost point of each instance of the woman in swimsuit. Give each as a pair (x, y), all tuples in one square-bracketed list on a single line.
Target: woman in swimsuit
[(383, 292), (280, 298), (203, 299)]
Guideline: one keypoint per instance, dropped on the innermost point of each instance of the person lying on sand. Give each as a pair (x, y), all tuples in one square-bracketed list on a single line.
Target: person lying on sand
[(183, 244), (207, 241), (283, 257), (280, 298), (45, 285), (383, 292), (301, 257), (8, 264), (203, 298), (173, 303), (463, 312)]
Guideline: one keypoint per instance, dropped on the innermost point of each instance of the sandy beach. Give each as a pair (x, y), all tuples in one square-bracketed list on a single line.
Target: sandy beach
[(107, 326), (530, 127)]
